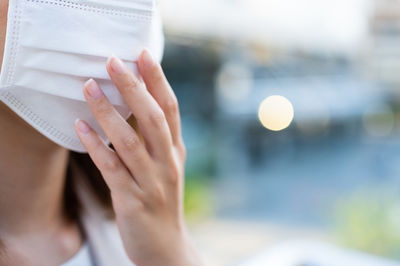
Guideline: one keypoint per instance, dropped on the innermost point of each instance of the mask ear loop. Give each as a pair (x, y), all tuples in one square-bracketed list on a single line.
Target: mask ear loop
[(11, 44), (3, 32)]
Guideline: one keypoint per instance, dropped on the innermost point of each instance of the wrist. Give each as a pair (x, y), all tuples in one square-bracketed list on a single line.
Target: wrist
[(185, 252)]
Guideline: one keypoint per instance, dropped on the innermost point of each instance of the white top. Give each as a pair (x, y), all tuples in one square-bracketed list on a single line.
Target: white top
[(82, 258)]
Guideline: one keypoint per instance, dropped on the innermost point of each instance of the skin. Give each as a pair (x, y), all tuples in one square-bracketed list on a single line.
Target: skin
[(27, 227), (145, 176)]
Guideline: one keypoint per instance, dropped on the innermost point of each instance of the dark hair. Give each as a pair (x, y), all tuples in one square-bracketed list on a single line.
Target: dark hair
[(95, 180)]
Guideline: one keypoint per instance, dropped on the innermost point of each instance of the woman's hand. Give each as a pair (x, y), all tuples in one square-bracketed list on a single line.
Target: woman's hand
[(145, 177)]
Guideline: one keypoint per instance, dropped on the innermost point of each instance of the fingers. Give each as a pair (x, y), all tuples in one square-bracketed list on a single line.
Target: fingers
[(149, 115), (115, 174), (124, 138), (162, 92)]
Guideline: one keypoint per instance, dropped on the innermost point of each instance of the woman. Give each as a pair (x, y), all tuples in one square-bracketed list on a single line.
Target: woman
[(42, 184)]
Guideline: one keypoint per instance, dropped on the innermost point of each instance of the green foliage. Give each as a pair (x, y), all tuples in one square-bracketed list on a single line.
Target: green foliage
[(370, 221), (198, 197)]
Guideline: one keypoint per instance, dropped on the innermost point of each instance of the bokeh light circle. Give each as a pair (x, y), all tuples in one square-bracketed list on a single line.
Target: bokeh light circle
[(276, 113)]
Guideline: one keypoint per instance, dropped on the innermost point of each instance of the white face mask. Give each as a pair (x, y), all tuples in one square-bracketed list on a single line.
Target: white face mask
[(53, 46)]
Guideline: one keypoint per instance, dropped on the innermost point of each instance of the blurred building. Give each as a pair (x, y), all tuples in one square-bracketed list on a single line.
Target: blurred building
[(309, 25), (224, 57), (384, 51)]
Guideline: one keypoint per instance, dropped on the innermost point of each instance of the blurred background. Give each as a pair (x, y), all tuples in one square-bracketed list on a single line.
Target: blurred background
[(330, 176)]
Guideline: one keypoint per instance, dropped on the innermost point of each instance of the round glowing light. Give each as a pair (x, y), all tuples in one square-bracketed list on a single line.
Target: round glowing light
[(276, 113)]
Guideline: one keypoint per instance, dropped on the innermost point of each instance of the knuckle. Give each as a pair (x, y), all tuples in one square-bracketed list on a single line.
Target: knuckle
[(157, 118), (173, 180), (174, 173), (182, 150), (131, 85), (111, 165), (157, 195), (172, 106), (103, 108), (131, 142), (172, 170)]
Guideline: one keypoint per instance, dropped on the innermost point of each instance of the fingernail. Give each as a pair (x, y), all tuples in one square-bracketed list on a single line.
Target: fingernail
[(93, 89), (148, 60), (117, 66), (82, 126)]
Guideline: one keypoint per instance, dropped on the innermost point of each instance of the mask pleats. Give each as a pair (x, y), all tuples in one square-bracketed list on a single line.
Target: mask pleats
[(53, 46)]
